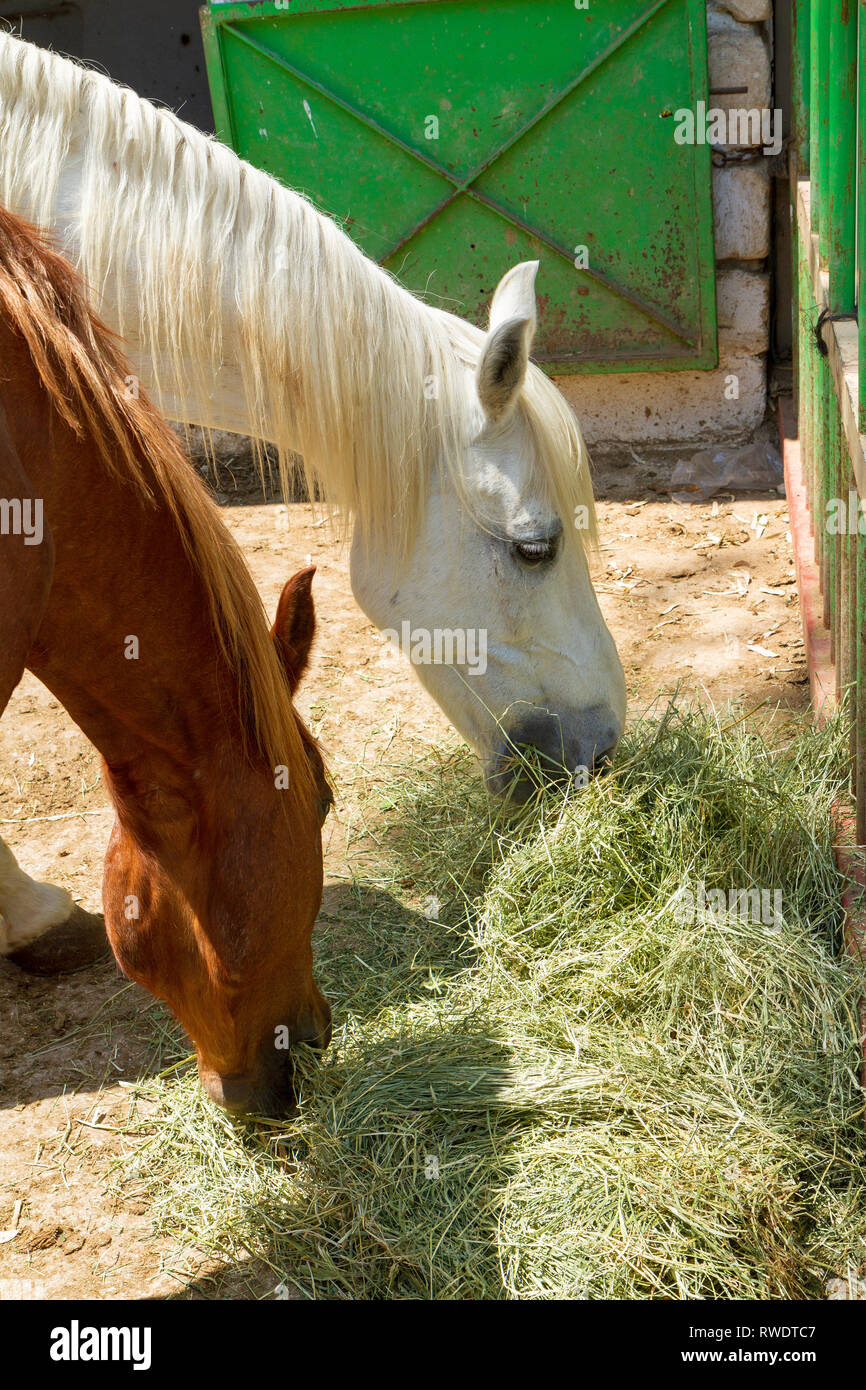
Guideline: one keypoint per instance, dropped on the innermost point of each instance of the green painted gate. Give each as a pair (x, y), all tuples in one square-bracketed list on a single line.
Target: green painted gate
[(453, 138), (828, 184)]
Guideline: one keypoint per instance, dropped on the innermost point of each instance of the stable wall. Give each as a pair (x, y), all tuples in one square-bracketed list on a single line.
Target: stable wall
[(661, 406)]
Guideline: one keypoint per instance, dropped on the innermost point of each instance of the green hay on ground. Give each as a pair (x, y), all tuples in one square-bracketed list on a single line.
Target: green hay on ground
[(563, 1087)]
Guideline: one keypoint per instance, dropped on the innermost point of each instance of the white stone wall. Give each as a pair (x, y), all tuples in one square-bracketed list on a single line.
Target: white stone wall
[(688, 405)]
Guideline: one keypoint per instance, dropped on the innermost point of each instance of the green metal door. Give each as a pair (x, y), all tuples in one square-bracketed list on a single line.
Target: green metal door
[(453, 138)]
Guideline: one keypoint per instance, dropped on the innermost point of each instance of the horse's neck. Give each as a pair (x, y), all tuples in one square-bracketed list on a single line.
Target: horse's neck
[(214, 397), (126, 642), (241, 306), (223, 407), (206, 386)]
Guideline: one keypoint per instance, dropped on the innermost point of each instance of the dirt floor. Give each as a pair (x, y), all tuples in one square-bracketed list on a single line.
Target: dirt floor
[(701, 596)]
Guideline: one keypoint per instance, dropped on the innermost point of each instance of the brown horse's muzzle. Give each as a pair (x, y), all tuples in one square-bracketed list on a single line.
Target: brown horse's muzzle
[(268, 1088)]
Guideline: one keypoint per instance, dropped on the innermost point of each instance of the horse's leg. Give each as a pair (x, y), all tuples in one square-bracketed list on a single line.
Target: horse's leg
[(40, 926), (29, 908)]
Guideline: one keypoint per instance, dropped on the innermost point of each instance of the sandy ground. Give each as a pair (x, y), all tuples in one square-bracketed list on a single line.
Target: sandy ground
[(701, 596)]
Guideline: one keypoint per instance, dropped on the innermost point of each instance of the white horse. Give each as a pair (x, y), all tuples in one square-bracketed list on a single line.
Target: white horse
[(457, 462)]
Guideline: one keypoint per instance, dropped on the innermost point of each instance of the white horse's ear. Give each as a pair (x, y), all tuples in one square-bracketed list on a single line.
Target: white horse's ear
[(514, 297), (505, 355)]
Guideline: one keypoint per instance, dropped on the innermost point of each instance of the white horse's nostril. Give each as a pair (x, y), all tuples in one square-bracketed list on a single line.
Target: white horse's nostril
[(571, 748)]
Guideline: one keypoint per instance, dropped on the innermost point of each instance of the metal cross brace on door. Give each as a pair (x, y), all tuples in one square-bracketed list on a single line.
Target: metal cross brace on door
[(466, 186)]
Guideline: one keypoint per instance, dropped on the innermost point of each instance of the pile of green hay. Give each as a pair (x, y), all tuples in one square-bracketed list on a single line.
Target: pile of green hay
[(563, 1087)]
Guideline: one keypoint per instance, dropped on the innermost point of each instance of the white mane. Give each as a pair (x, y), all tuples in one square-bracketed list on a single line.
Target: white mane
[(339, 364)]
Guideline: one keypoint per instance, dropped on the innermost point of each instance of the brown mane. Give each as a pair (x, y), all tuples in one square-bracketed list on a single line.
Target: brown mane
[(82, 368)]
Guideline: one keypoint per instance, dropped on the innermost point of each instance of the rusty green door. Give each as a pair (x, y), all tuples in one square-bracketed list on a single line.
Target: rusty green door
[(453, 138)]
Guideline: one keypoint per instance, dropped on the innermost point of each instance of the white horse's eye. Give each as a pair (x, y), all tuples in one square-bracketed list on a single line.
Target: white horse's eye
[(536, 552)]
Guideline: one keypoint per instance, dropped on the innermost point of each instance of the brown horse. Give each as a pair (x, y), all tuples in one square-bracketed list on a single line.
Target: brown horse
[(121, 589)]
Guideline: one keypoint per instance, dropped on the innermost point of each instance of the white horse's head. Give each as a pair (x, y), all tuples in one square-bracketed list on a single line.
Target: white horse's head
[(494, 604)]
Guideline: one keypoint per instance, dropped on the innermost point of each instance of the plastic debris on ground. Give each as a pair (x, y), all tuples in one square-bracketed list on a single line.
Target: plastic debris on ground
[(752, 468)]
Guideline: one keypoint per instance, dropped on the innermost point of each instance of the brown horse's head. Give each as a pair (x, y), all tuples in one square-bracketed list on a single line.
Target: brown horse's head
[(213, 880), (213, 875)]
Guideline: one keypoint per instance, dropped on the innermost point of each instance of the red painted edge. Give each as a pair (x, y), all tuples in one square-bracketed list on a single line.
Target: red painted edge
[(849, 857), (816, 638), (822, 685)]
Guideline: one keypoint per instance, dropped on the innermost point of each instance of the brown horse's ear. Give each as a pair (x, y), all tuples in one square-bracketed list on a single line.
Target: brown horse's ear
[(295, 625)]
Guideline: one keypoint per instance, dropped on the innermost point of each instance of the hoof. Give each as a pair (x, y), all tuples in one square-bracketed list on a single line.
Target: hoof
[(71, 945)]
